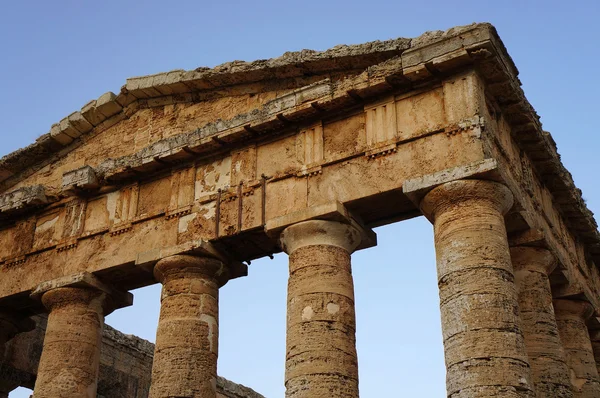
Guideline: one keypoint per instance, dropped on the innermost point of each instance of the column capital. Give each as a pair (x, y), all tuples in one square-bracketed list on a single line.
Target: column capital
[(454, 192), (81, 288), (531, 258), (320, 232), (184, 265), (328, 212), (580, 309)]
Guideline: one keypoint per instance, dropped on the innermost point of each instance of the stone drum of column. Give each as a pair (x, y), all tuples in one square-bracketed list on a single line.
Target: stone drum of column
[(595, 337), (571, 317), (549, 370), (187, 338), (483, 342), (71, 356), (321, 360)]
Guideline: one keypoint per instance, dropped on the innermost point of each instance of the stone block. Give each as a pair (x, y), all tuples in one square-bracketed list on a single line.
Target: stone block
[(23, 198), (107, 104), (59, 135), (82, 178), (79, 122)]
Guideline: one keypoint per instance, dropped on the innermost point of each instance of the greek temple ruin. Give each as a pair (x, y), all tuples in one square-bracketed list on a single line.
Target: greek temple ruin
[(183, 178)]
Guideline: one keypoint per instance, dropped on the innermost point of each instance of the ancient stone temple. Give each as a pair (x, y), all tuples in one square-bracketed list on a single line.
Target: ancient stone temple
[(184, 177)]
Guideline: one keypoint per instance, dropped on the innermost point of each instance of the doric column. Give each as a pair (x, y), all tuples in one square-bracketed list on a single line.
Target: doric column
[(483, 342), (595, 337), (11, 324), (549, 370), (321, 360), (70, 360), (571, 317), (187, 338)]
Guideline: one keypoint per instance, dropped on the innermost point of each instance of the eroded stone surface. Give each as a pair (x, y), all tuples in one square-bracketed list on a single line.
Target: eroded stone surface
[(550, 373), (71, 356), (483, 341), (187, 338), (321, 358), (571, 317)]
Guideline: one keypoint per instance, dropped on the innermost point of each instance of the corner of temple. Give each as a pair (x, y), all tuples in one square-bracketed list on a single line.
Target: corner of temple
[(332, 211), (115, 299)]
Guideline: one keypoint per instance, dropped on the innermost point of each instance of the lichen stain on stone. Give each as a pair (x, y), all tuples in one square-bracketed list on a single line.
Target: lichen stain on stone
[(333, 308), (307, 313), (184, 222), (111, 205), (45, 226)]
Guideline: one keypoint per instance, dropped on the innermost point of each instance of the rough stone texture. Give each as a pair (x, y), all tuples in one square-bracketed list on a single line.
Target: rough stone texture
[(23, 198), (483, 342), (571, 317), (125, 365), (549, 371), (321, 360), (71, 356), (207, 161), (187, 339), (595, 337)]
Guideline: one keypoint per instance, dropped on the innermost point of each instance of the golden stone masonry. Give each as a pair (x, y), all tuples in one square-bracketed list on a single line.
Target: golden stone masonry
[(184, 177)]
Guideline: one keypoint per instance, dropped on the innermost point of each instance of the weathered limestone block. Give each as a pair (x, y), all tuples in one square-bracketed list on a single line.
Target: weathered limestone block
[(23, 197), (571, 317), (82, 178), (187, 339), (549, 371), (483, 342), (321, 359)]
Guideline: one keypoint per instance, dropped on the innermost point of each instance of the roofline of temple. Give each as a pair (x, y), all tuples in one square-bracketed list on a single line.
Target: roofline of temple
[(421, 52), (110, 108)]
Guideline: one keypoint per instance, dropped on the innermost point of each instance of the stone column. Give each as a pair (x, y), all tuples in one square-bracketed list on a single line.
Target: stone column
[(571, 317), (77, 305), (595, 337), (550, 373), (321, 360), (70, 358), (11, 324), (185, 355), (483, 342)]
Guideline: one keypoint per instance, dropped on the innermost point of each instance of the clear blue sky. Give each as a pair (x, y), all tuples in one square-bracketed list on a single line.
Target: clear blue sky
[(57, 55)]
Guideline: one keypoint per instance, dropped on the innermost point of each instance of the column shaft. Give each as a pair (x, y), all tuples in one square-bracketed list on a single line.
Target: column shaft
[(70, 359), (571, 317), (483, 342), (550, 373), (321, 359), (187, 338), (595, 336)]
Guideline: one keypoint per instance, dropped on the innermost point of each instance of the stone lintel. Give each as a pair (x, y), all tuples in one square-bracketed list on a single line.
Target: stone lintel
[(146, 260), (416, 188), (81, 178), (332, 211), (85, 280)]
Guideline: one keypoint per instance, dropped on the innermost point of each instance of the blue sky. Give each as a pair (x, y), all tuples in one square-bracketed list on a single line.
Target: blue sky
[(56, 56)]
